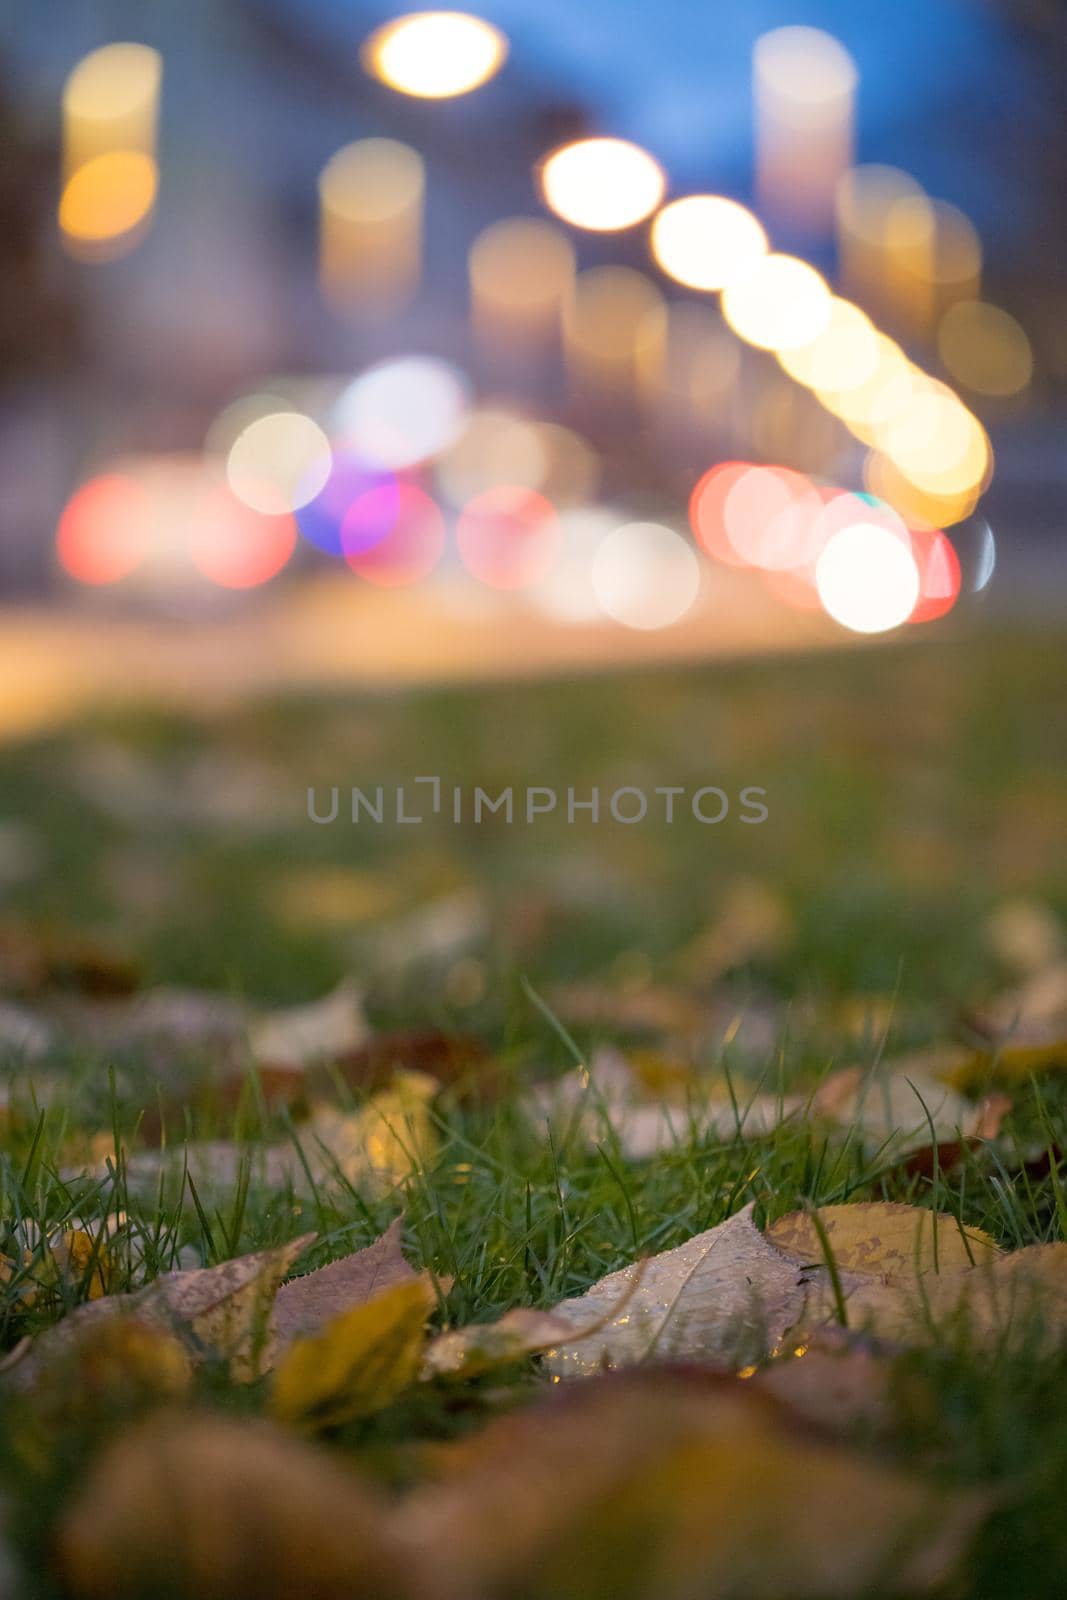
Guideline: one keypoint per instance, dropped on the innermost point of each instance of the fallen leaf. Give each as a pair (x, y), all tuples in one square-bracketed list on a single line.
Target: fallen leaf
[(305, 1304), (670, 1486), (36, 959), (649, 1009), (1013, 1302), (652, 1103), (725, 1297), (215, 1506), (223, 1312), (459, 1060), (360, 1361), (882, 1239), (321, 1031), (480, 1346), (226, 1311), (374, 1148)]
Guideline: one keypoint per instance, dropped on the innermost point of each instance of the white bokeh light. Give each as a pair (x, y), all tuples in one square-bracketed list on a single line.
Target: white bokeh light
[(867, 578), (401, 412), (279, 462), (645, 575), (602, 184)]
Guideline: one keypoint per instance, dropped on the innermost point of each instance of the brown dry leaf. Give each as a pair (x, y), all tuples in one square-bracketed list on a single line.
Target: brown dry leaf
[(227, 1311), (35, 959), (223, 1312), (905, 1107), (725, 1297), (477, 1348), (304, 1305), (224, 1507), (1012, 1302), (360, 1361), (461, 1061), (672, 1486)]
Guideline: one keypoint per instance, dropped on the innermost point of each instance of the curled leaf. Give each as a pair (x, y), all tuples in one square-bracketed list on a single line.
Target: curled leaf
[(360, 1361)]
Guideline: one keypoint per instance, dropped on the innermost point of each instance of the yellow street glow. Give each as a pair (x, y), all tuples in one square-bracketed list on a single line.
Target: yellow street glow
[(105, 203), (781, 304), (984, 348), (938, 444), (842, 357), (435, 54), (883, 479), (602, 184), (867, 578), (370, 224), (706, 241), (521, 276), (614, 331), (111, 103)]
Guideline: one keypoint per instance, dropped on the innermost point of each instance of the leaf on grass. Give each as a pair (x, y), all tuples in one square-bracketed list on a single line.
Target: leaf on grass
[(653, 1104), (881, 1239), (1013, 1302), (675, 1485), (212, 1506), (726, 1297), (481, 1346), (226, 1311), (304, 1305), (373, 1148), (321, 1031), (223, 1312), (360, 1361), (462, 1061)]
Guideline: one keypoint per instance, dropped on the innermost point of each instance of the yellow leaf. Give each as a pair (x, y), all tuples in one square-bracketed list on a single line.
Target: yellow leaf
[(466, 1352), (80, 1257), (359, 1363), (881, 1239)]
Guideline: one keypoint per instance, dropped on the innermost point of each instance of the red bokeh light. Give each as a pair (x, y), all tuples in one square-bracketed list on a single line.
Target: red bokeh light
[(707, 507), (508, 537), (939, 574), (105, 529), (235, 546), (770, 517)]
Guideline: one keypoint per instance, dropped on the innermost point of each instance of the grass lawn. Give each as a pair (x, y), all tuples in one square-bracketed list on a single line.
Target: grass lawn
[(911, 792)]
